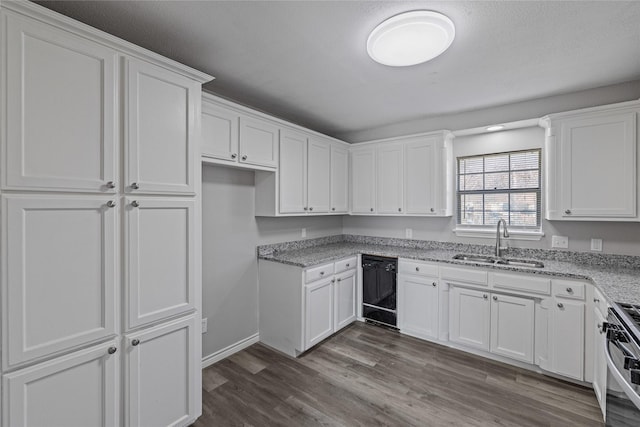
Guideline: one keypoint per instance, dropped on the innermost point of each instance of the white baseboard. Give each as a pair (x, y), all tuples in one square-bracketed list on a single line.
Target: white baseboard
[(228, 351)]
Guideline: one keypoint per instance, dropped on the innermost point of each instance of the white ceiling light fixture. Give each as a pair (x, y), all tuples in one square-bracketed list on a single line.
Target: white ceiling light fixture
[(411, 38), (495, 128)]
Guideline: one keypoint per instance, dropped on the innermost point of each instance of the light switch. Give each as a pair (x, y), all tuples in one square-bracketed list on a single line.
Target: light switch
[(560, 242), (596, 245)]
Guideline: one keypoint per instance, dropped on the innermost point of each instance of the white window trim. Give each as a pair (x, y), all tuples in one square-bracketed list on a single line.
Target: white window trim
[(490, 233)]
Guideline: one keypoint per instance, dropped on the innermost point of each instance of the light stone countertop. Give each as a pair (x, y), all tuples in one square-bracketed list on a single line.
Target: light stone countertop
[(618, 284)]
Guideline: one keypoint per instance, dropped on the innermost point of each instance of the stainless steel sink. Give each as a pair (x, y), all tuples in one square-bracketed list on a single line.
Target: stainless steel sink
[(520, 263), (486, 259), (475, 258)]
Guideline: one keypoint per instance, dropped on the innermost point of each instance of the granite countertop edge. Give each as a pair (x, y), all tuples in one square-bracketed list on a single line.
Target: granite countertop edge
[(617, 285)]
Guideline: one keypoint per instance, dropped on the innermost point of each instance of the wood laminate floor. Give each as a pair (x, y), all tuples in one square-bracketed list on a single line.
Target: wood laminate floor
[(369, 376)]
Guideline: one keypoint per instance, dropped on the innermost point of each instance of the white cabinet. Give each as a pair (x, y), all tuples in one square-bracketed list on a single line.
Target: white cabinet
[(390, 177), (339, 179), (344, 297), (292, 172), (60, 274), (470, 318), (592, 158), (600, 361), (298, 307), (363, 180), (219, 132), (512, 327), (318, 311), (258, 142), (418, 305), (159, 259), (163, 375), (427, 180), (77, 390), (318, 175), (61, 96), (566, 338), (160, 129)]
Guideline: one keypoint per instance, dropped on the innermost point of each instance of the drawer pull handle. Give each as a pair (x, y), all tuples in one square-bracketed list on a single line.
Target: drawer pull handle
[(434, 284), (495, 298), (244, 157), (322, 273), (112, 350), (135, 204), (560, 305), (135, 342), (234, 155), (347, 265), (569, 290), (110, 184), (135, 186), (568, 212), (485, 296), (111, 204), (339, 280), (417, 268)]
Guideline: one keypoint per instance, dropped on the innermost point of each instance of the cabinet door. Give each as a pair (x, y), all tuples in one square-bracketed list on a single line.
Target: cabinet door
[(599, 361), (258, 142), (159, 259), (60, 273), (390, 179), (293, 172), (363, 180), (469, 318), (160, 129), (339, 179), (420, 179), (567, 339), (512, 327), (598, 166), (162, 377), (60, 116), (418, 306), (77, 390), (219, 133), (318, 173), (345, 299), (318, 312)]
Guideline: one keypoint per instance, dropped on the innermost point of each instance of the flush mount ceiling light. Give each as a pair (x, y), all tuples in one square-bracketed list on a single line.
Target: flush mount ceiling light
[(410, 38), (494, 128)]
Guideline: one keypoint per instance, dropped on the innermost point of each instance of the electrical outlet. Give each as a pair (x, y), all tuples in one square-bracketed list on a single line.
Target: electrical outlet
[(408, 233), (304, 232), (205, 323), (596, 245), (561, 242)]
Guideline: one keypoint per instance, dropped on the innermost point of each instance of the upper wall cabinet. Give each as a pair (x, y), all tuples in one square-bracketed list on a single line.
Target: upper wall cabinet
[(339, 192), (592, 159), (231, 137), (59, 126), (160, 129), (403, 176)]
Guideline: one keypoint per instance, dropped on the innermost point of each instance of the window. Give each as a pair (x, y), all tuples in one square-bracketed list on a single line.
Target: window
[(503, 185)]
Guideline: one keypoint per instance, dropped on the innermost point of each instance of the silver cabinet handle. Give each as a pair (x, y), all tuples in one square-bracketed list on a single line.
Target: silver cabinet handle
[(311, 208), (596, 300), (347, 265), (322, 273), (110, 184), (135, 342), (244, 157), (432, 210), (485, 296), (569, 290), (135, 204), (339, 280), (333, 280), (234, 155), (495, 298), (560, 305), (434, 284), (305, 208), (417, 268), (333, 209), (112, 350), (371, 209), (134, 186), (568, 211), (399, 209), (111, 204)]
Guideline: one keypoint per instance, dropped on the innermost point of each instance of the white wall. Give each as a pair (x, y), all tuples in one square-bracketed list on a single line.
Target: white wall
[(620, 238), (230, 234)]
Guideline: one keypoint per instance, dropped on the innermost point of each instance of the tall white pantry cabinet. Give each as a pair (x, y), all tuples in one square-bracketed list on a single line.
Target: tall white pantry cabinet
[(100, 228)]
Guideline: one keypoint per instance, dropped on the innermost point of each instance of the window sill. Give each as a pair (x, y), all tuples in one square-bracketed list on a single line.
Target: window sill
[(490, 233)]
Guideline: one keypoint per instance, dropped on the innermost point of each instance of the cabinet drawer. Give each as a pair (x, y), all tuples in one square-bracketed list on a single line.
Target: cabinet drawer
[(466, 275), (516, 282), (568, 289), (319, 272), (346, 264), (418, 268)]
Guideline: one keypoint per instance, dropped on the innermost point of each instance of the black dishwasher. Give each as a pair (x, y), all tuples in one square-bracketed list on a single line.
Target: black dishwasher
[(379, 285)]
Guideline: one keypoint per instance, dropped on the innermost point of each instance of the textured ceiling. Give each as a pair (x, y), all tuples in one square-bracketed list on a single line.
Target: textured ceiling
[(306, 61)]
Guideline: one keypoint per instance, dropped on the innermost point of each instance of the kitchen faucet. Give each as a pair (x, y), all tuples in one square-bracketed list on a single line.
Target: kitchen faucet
[(506, 234)]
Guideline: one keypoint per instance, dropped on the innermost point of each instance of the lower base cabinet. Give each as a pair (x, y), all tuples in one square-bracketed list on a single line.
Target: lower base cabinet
[(500, 324), (566, 339), (418, 307), (162, 377), (600, 361), (344, 299), (319, 303), (77, 390)]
